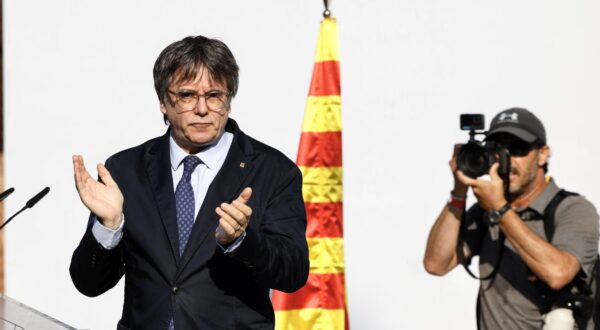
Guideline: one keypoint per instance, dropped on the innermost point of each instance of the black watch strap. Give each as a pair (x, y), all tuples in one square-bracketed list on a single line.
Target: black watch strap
[(496, 215), (504, 209)]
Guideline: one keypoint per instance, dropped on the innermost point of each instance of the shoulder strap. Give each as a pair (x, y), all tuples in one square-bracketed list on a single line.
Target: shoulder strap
[(548, 216), (550, 211)]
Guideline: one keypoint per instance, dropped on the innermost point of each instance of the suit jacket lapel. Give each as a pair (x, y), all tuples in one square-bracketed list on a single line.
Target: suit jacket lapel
[(225, 188), (158, 167)]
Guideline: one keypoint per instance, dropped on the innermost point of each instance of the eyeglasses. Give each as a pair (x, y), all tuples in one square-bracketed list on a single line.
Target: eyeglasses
[(216, 101), (518, 147)]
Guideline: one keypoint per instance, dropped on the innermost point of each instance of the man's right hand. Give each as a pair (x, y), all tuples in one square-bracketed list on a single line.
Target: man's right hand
[(460, 189), (103, 198)]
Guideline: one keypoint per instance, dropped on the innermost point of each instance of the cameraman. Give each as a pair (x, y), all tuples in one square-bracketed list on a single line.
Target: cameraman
[(530, 269)]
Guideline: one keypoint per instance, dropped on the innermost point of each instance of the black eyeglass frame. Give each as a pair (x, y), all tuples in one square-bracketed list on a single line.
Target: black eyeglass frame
[(211, 94), (517, 147)]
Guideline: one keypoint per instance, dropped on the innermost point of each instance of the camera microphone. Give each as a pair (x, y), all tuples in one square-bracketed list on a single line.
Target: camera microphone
[(30, 203), (6, 193)]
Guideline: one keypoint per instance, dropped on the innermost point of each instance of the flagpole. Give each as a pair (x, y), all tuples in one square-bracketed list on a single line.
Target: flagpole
[(326, 12)]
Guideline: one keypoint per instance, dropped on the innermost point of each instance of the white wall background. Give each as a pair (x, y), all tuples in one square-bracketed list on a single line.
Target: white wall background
[(78, 79)]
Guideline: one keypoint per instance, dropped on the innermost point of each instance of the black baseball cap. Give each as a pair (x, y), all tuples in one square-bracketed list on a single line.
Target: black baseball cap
[(519, 122)]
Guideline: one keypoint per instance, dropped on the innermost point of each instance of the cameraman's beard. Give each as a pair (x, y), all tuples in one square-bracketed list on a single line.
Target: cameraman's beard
[(524, 182)]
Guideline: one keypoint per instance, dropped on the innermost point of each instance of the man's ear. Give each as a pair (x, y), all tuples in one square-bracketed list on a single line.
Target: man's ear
[(163, 109), (544, 155)]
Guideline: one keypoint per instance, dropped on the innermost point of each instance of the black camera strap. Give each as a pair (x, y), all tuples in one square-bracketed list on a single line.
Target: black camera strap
[(550, 211), (461, 254)]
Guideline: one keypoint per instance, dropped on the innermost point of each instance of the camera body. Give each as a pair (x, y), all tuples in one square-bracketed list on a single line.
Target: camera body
[(477, 156)]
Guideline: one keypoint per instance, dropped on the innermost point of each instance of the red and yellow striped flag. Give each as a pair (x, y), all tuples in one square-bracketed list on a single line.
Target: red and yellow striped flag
[(321, 303)]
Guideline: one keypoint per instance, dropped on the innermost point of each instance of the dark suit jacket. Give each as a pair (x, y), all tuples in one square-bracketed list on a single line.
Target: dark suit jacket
[(204, 288)]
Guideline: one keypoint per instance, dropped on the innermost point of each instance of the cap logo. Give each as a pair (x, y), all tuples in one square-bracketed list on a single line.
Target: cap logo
[(509, 117)]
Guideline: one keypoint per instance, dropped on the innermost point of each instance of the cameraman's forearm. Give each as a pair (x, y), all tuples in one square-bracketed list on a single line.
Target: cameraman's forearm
[(440, 254), (553, 266)]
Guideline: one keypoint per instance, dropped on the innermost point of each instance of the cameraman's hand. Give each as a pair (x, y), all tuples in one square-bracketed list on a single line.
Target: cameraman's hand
[(490, 194), (460, 189)]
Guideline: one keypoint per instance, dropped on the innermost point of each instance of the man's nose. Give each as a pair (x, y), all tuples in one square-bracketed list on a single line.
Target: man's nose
[(201, 108)]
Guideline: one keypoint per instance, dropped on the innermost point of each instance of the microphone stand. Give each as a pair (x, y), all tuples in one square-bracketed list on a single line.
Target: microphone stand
[(30, 203), (14, 215)]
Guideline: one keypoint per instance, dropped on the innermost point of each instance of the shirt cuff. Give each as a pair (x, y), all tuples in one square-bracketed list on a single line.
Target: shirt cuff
[(107, 237), (234, 245)]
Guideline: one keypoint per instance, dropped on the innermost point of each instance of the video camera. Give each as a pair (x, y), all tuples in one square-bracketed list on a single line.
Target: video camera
[(477, 156)]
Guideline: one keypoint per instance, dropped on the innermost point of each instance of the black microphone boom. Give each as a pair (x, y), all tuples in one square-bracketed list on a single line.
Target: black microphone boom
[(5, 193), (30, 203)]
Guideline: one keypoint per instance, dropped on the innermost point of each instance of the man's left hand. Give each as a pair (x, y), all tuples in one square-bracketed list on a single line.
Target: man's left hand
[(490, 194), (234, 218)]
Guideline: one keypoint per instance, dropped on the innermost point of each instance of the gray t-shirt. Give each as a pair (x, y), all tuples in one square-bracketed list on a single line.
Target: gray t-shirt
[(510, 299)]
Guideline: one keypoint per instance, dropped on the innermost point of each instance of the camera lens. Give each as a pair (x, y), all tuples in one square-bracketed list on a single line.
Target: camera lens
[(473, 160)]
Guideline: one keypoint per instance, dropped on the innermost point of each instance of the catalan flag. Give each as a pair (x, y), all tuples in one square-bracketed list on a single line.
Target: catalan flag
[(321, 303)]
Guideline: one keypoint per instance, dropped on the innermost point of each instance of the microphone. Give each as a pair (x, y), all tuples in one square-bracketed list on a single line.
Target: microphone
[(30, 203), (5, 193)]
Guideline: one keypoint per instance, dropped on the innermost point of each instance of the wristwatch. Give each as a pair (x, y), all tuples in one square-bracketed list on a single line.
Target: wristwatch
[(496, 215)]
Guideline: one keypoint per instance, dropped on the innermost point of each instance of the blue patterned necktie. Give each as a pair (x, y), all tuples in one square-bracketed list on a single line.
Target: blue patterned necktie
[(185, 201), (185, 205)]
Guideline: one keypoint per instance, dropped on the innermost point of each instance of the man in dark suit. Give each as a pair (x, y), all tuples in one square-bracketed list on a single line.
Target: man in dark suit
[(202, 221)]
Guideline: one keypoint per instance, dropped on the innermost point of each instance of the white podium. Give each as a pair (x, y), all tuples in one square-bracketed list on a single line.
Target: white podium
[(17, 316)]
